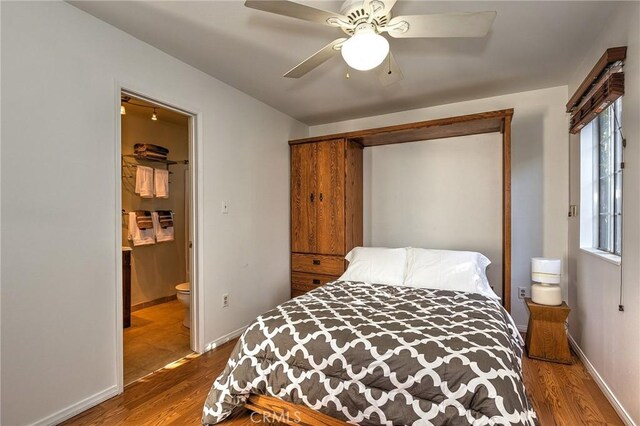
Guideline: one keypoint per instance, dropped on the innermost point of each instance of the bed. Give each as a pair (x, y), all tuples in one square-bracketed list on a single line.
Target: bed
[(364, 353)]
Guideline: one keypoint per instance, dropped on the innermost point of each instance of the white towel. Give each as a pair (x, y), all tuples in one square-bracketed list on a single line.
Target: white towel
[(140, 237), (144, 181), (162, 234), (161, 183)]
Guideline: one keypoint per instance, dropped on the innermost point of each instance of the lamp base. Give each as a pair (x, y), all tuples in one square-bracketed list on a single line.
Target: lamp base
[(543, 294)]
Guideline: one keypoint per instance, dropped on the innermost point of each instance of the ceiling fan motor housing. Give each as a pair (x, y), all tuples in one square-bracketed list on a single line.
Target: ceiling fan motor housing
[(357, 14)]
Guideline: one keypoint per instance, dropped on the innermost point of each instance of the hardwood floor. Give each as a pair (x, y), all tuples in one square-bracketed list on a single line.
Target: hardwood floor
[(156, 338), (566, 394), (561, 394)]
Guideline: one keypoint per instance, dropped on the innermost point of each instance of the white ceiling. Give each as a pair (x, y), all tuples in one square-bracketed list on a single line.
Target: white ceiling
[(531, 45)]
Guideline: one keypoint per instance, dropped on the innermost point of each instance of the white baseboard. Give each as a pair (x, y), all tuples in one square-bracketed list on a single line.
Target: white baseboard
[(626, 418), (224, 339), (92, 401), (78, 407), (522, 328)]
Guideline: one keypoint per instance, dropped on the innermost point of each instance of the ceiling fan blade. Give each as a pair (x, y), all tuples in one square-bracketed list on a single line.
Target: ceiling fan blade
[(318, 58), (471, 24), (295, 10), (388, 72)]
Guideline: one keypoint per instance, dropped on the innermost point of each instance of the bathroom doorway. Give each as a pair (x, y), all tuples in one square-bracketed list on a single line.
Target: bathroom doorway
[(156, 143)]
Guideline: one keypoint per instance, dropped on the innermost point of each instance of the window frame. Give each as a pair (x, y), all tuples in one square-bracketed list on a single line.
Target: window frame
[(613, 244)]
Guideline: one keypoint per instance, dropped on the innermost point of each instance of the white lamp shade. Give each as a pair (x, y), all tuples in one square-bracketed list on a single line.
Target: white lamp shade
[(365, 50), (546, 271)]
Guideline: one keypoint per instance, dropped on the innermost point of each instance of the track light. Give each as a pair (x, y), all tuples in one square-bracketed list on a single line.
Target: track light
[(124, 100)]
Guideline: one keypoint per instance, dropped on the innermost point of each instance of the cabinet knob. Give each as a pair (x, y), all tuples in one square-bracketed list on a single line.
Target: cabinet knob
[(321, 196), (312, 197), (316, 261), (316, 282)]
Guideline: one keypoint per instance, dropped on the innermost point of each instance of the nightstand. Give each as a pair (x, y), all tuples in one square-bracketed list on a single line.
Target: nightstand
[(546, 334)]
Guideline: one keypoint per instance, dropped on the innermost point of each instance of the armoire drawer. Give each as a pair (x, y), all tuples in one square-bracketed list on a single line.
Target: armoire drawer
[(317, 264), (302, 281)]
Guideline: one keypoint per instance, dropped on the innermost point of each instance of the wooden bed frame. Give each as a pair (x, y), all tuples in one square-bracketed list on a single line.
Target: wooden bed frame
[(276, 410)]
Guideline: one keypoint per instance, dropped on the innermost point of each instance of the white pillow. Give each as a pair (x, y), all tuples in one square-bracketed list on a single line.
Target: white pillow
[(376, 265), (448, 270)]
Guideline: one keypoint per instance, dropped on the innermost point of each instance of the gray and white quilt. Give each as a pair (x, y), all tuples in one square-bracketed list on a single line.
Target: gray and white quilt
[(377, 354)]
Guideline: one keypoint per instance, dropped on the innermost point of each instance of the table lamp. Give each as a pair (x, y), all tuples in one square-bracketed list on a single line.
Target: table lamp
[(545, 273)]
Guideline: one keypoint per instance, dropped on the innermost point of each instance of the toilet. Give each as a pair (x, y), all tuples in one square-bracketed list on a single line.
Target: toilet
[(184, 296)]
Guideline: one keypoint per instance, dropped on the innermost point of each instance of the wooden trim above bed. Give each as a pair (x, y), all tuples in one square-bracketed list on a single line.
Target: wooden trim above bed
[(462, 125)]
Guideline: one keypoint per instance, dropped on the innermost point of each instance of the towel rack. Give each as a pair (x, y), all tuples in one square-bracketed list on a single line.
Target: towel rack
[(125, 213), (167, 163), (135, 166)]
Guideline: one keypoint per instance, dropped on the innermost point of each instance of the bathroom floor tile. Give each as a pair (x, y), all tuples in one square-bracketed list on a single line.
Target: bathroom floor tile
[(156, 338)]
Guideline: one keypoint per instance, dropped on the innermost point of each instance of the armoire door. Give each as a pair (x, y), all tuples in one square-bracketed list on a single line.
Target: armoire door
[(303, 198), (330, 184)]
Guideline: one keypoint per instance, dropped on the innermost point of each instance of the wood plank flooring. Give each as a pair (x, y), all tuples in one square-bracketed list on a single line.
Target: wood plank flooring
[(561, 394), (156, 338)]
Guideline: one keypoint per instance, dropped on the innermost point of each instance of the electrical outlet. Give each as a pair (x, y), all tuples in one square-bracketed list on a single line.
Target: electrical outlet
[(225, 300), (225, 207), (522, 292)]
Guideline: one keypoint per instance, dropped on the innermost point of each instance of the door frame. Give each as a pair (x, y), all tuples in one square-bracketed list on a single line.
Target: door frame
[(196, 229)]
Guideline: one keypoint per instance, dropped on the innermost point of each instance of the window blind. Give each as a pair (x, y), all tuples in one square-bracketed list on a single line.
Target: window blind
[(603, 85)]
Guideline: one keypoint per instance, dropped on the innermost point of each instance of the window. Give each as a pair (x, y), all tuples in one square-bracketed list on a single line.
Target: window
[(601, 176)]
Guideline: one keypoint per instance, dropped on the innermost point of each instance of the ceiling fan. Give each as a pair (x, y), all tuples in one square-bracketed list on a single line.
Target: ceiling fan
[(364, 21)]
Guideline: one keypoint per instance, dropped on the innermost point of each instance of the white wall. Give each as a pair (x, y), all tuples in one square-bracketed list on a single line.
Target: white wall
[(59, 112), (539, 172), (444, 194), (611, 339)]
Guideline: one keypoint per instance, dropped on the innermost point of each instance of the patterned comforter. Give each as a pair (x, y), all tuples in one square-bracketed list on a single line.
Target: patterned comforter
[(377, 354)]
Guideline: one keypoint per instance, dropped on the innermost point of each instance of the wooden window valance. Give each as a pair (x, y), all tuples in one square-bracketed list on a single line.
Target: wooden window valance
[(603, 85)]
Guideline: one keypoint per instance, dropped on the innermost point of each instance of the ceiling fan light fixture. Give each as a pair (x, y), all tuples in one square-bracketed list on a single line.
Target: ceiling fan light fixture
[(366, 49)]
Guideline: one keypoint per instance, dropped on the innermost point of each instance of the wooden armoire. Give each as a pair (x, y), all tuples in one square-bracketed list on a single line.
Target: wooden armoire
[(326, 210)]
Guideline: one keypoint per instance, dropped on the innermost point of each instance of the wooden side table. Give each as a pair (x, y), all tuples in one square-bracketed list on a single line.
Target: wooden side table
[(546, 334)]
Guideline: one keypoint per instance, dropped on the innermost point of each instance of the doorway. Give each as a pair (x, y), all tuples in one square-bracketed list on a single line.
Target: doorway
[(156, 146)]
